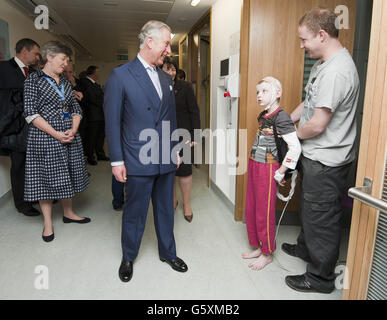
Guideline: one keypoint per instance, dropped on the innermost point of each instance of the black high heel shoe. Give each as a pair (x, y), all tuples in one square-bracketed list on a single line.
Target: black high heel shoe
[(48, 238), (188, 218)]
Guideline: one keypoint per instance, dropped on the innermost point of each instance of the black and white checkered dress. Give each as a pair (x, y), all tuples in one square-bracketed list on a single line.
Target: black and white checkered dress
[(53, 170)]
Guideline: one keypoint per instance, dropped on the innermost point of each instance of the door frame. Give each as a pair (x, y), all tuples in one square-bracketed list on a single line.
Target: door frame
[(371, 161), (193, 69)]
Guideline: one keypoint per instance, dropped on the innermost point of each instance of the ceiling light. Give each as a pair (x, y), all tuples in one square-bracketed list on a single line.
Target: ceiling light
[(172, 35), (194, 3)]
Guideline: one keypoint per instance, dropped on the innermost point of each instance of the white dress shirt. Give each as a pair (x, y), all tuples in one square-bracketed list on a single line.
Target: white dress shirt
[(152, 72), (90, 79), (21, 65)]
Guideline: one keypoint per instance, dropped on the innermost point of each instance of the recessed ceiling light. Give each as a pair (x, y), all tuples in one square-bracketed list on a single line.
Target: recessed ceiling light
[(110, 4), (195, 2)]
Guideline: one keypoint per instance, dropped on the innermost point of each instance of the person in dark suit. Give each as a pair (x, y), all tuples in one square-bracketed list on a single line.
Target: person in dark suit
[(69, 73), (180, 74), (13, 127), (140, 115), (93, 105), (188, 118)]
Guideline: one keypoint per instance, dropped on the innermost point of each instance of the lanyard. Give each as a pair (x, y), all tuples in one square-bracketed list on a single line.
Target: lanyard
[(66, 114), (60, 93)]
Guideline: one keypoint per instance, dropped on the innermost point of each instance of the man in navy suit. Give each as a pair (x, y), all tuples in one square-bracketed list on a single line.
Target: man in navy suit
[(140, 115)]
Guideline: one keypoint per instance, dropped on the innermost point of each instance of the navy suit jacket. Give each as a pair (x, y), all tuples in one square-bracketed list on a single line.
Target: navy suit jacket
[(132, 105)]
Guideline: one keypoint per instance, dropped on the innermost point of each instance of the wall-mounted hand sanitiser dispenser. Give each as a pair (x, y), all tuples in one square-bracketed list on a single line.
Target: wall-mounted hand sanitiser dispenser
[(231, 84)]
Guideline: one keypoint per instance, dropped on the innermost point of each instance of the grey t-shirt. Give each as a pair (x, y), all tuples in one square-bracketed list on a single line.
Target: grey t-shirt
[(333, 84)]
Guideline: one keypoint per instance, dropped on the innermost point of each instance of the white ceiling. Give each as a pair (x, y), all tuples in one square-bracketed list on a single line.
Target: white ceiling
[(105, 27)]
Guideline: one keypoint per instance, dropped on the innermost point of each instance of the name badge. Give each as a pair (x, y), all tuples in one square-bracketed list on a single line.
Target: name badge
[(66, 113)]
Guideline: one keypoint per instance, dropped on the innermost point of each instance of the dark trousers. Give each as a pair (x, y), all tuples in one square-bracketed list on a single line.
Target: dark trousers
[(18, 162), (139, 191), (95, 139), (83, 133), (118, 192), (321, 192)]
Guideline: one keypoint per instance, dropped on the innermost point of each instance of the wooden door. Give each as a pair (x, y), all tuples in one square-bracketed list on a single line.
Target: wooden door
[(372, 157)]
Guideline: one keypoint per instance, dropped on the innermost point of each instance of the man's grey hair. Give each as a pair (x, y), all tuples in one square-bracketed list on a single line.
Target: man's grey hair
[(152, 29), (53, 48)]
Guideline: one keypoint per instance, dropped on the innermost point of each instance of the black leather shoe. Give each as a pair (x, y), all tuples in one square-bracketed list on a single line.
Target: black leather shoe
[(177, 264), (30, 212), (300, 283), (290, 249), (126, 270), (92, 162), (48, 238), (117, 207), (84, 220)]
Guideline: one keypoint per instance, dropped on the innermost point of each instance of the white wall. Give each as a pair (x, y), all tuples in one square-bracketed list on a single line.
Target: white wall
[(19, 26), (225, 39)]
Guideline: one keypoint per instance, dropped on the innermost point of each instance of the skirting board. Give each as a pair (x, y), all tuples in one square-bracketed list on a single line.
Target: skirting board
[(222, 197), (5, 197)]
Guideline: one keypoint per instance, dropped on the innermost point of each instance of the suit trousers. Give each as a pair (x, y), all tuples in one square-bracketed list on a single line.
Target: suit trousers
[(95, 139), (18, 162), (83, 133), (321, 192), (117, 192), (139, 191)]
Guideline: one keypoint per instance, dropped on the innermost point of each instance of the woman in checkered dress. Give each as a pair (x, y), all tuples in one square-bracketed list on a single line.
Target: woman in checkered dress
[(55, 165)]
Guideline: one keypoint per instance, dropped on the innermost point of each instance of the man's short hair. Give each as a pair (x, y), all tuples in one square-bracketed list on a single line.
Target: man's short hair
[(321, 19), (91, 70), (25, 43), (151, 29)]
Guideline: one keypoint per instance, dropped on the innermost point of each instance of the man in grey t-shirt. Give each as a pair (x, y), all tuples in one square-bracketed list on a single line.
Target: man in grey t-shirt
[(332, 85), (327, 131)]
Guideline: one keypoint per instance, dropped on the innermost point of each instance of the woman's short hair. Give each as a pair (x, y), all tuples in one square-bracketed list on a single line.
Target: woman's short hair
[(54, 48), (151, 29), (321, 19), (169, 63)]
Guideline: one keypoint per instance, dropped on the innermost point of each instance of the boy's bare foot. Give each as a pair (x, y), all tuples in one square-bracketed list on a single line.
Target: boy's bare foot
[(252, 254), (261, 262)]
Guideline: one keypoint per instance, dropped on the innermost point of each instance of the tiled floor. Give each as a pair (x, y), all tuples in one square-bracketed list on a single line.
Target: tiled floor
[(82, 262)]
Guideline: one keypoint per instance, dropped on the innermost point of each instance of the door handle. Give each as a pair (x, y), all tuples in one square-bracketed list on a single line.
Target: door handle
[(363, 194)]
